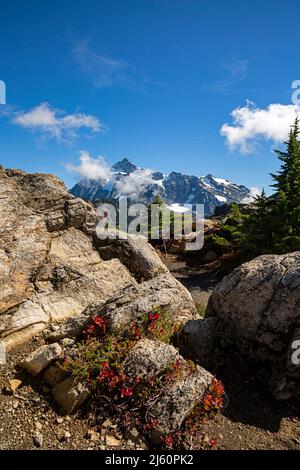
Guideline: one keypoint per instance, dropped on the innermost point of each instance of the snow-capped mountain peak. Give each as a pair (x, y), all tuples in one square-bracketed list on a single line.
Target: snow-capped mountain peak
[(176, 189)]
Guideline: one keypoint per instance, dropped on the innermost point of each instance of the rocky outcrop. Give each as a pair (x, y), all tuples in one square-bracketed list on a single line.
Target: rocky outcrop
[(56, 273), (260, 303), (53, 266), (130, 304), (135, 253)]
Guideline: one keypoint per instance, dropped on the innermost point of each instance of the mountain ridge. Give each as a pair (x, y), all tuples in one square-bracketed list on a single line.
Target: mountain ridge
[(176, 189)]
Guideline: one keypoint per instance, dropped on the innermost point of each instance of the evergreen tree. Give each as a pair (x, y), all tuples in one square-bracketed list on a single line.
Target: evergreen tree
[(287, 185), (257, 229), (285, 179)]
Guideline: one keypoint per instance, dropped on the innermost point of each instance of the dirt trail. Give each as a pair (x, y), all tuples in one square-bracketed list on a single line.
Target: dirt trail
[(200, 281)]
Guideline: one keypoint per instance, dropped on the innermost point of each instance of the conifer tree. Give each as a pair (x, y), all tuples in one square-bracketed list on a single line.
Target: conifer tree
[(287, 185), (258, 234)]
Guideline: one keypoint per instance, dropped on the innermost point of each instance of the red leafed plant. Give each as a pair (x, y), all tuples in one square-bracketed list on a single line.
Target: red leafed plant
[(213, 400), (168, 441), (97, 327)]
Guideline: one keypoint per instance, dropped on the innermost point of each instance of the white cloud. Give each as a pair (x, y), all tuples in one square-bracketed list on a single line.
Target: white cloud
[(251, 123), (54, 123), (91, 168), (252, 194), (135, 183)]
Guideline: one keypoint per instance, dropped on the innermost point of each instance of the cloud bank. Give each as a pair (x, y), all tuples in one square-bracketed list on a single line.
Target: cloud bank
[(251, 124), (252, 194), (54, 123), (135, 183), (91, 168)]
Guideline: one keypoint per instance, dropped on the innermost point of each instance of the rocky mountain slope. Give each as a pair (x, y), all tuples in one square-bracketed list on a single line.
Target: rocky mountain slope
[(175, 189)]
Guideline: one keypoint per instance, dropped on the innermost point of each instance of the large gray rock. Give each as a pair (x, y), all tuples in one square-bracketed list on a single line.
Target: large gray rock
[(135, 252), (164, 292), (178, 401), (148, 358), (260, 301)]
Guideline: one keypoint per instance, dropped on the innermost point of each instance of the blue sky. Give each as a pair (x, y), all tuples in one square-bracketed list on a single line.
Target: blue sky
[(154, 80)]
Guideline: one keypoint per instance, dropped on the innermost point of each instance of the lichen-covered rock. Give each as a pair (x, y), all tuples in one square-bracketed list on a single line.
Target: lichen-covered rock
[(50, 269), (148, 358), (41, 358), (260, 301), (177, 402)]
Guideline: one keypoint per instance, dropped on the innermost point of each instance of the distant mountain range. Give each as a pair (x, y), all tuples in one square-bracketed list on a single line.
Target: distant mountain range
[(176, 189)]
